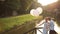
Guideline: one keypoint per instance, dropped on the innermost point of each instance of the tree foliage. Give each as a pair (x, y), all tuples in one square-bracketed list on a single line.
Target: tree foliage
[(8, 7), (13, 4)]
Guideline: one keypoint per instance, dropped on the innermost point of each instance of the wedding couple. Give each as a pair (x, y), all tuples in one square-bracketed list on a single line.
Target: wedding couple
[(48, 26)]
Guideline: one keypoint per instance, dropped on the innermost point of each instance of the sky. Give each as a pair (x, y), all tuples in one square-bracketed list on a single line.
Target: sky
[(46, 2)]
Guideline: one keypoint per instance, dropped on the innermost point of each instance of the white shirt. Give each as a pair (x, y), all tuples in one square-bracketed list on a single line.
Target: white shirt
[(51, 25)]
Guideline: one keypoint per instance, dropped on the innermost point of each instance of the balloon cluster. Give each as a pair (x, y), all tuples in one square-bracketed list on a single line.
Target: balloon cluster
[(36, 12)]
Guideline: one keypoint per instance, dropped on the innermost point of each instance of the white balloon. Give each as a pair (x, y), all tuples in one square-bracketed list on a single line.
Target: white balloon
[(39, 9), (31, 12), (35, 13)]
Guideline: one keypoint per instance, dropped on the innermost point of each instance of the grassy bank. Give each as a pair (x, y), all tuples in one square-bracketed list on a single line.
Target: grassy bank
[(7, 23)]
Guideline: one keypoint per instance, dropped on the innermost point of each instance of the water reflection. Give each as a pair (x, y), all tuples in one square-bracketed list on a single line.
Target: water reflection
[(56, 28)]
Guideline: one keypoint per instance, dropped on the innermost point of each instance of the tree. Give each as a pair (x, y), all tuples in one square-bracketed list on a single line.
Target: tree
[(8, 7), (25, 5)]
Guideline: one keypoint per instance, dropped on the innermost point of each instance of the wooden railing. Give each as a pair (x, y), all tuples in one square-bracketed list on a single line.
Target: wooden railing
[(34, 30)]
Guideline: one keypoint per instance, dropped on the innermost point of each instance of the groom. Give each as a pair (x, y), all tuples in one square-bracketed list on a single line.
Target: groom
[(52, 31)]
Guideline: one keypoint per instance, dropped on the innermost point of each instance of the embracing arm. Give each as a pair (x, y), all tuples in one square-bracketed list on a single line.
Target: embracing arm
[(41, 24)]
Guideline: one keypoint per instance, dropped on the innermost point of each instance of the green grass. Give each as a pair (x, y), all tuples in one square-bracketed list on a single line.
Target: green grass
[(9, 22)]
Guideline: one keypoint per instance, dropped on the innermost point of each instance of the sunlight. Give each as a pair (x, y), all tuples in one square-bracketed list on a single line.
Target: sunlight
[(46, 2)]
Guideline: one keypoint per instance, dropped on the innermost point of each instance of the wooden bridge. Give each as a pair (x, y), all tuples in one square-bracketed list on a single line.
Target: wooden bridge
[(34, 31)]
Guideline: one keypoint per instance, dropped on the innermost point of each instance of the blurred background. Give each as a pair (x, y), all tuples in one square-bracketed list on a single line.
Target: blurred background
[(16, 12)]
